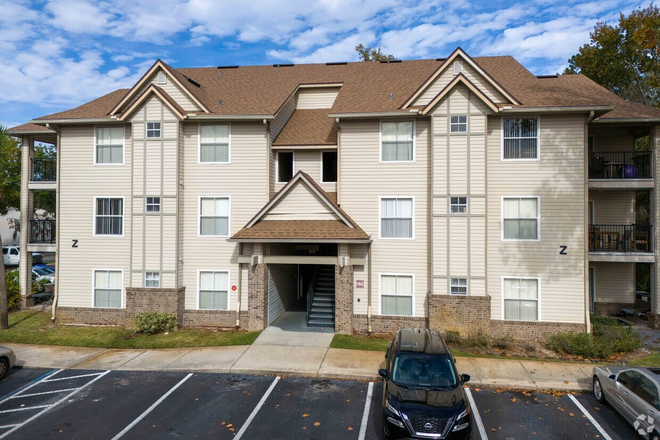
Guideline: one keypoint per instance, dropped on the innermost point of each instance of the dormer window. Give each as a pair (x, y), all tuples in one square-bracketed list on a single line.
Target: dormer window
[(162, 78)]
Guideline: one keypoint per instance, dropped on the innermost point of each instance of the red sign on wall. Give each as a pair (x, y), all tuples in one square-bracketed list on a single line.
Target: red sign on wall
[(359, 284), (233, 288)]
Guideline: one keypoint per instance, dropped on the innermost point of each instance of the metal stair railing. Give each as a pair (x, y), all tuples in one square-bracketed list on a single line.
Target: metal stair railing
[(310, 292)]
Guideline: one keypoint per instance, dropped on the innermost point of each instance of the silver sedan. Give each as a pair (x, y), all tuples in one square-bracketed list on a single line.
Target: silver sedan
[(634, 393), (7, 360)]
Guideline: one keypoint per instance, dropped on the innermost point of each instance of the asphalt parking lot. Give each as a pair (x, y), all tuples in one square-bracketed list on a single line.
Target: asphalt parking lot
[(80, 404)]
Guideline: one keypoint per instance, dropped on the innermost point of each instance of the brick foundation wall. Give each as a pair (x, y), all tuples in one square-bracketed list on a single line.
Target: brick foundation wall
[(142, 299), (387, 324), (92, 316), (213, 318), (344, 299), (531, 331), (257, 297), (467, 315), (607, 308)]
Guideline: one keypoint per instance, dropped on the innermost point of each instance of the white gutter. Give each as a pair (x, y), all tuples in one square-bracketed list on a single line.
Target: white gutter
[(72, 121), (297, 240), (625, 121), (375, 114), (581, 109), (231, 117)]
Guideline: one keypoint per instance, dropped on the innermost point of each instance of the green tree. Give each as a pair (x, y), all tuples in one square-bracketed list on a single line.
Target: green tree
[(366, 53), (625, 57)]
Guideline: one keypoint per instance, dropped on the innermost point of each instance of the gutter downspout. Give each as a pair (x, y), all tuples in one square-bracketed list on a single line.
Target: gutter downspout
[(369, 290), (56, 288), (587, 281), (240, 283)]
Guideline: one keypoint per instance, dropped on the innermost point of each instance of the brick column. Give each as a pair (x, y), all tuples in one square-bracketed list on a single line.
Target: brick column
[(344, 299), (257, 297)]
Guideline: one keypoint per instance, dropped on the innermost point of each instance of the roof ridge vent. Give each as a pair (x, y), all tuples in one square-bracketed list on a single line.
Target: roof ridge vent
[(337, 63), (389, 61), (441, 59), (283, 65), (547, 76), (192, 81), (228, 67)]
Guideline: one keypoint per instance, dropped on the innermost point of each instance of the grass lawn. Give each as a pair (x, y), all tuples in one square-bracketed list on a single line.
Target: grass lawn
[(359, 343), (651, 360), (35, 328)]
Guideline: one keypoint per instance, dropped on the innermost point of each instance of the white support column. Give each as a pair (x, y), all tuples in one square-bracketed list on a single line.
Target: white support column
[(25, 264), (654, 314)]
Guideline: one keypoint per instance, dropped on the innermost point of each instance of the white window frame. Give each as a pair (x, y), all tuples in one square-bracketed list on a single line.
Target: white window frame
[(457, 67), (199, 217), (147, 204), (538, 138), (153, 279), (538, 218), (121, 295), (199, 272), (467, 207), (293, 165), (329, 151), (199, 145), (123, 147), (380, 141), (538, 296), (162, 78), (459, 124), (452, 285), (123, 216), (147, 130), (380, 217), (380, 283)]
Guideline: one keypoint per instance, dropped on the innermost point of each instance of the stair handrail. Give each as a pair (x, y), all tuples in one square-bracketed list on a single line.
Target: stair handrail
[(311, 290)]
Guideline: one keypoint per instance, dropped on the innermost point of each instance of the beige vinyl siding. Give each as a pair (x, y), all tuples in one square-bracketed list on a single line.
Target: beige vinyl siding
[(558, 179), (612, 138), (176, 93), (615, 282), (300, 203), (364, 179), (282, 117), (80, 181), (613, 207), (361, 295), (459, 240), (310, 162), (447, 75), (281, 289), (322, 97), (244, 180)]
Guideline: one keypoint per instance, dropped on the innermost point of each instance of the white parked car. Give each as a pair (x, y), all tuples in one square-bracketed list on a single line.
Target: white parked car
[(11, 255), (7, 360), (43, 272)]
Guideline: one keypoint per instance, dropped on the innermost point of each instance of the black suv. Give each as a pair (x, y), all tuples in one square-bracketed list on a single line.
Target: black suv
[(423, 395)]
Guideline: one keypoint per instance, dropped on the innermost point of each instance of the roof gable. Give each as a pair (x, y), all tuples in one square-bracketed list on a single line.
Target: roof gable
[(152, 90), (470, 69), (462, 80)]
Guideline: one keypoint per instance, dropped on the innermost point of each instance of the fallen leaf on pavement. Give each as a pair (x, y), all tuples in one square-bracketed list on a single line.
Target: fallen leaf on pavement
[(305, 415), (317, 423)]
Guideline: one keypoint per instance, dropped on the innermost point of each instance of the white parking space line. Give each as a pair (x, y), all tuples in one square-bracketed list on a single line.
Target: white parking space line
[(47, 408), (152, 407), (256, 409), (477, 416), (73, 377), (33, 384), (7, 426), (20, 396), (590, 417), (24, 408), (365, 413)]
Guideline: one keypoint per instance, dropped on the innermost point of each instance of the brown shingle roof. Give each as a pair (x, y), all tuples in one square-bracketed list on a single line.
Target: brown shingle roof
[(301, 230), (29, 128), (308, 127), (98, 108)]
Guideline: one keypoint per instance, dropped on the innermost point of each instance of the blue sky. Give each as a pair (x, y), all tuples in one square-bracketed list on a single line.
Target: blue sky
[(58, 54)]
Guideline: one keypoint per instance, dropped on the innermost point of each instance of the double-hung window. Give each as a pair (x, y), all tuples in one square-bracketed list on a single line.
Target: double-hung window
[(109, 216), (214, 143), (153, 130), (458, 205), (109, 145), (396, 295), (214, 290), (459, 286), (520, 218), (458, 124), (152, 279), (152, 204), (397, 141), (520, 138), (396, 217), (521, 299), (107, 288), (214, 216)]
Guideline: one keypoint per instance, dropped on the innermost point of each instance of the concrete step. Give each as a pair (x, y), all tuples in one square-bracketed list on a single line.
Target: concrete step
[(314, 316), (321, 323), (322, 306)]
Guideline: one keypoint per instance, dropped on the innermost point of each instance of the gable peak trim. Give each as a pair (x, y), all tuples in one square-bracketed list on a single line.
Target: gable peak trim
[(153, 89), (462, 79)]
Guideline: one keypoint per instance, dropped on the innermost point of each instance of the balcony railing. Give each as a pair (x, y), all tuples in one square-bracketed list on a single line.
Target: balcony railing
[(44, 170), (621, 238), (42, 231), (620, 165)]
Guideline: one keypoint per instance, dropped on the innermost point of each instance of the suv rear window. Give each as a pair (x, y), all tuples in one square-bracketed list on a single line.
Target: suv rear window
[(419, 370)]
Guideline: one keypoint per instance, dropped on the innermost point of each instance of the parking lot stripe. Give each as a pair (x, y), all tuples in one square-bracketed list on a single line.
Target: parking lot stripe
[(256, 409), (24, 408), (20, 396), (72, 377), (7, 426), (35, 382), (477, 416), (590, 417), (43, 411), (365, 413), (152, 407)]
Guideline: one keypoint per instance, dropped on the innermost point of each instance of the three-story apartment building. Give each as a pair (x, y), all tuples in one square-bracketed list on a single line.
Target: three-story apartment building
[(461, 194)]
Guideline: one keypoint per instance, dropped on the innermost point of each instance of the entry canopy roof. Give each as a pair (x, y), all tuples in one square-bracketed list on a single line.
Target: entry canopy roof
[(302, 212)]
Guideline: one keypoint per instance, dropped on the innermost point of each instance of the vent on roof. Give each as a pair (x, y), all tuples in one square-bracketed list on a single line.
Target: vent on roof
[(389, 61), (192, 81), (227, 67), (341, 63), (546, 76), (441, 59), (282, 65)]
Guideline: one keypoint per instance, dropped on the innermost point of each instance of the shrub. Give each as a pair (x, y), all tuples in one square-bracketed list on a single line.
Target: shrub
[(503, 343), (152, 322), (477, 341), (13, 289), (452, 337)]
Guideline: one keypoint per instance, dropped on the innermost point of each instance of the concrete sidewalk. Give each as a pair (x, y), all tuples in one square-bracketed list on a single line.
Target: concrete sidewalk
[(299, 361)]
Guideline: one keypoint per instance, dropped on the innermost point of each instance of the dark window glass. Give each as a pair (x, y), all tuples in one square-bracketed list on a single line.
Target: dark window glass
[(284, 167), (329, 166)]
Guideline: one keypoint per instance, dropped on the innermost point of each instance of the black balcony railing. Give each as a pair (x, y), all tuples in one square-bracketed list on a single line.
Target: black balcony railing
[(44, 170), (621, 238), (42, 231), (620, 165)]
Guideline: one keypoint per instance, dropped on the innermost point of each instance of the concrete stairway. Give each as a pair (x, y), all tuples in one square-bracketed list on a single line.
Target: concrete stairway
[(322, 313)]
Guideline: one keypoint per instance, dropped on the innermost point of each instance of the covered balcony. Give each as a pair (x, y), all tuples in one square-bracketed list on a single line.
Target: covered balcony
[(621, 165), (621, 243), (44, 170), (42, 235)]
